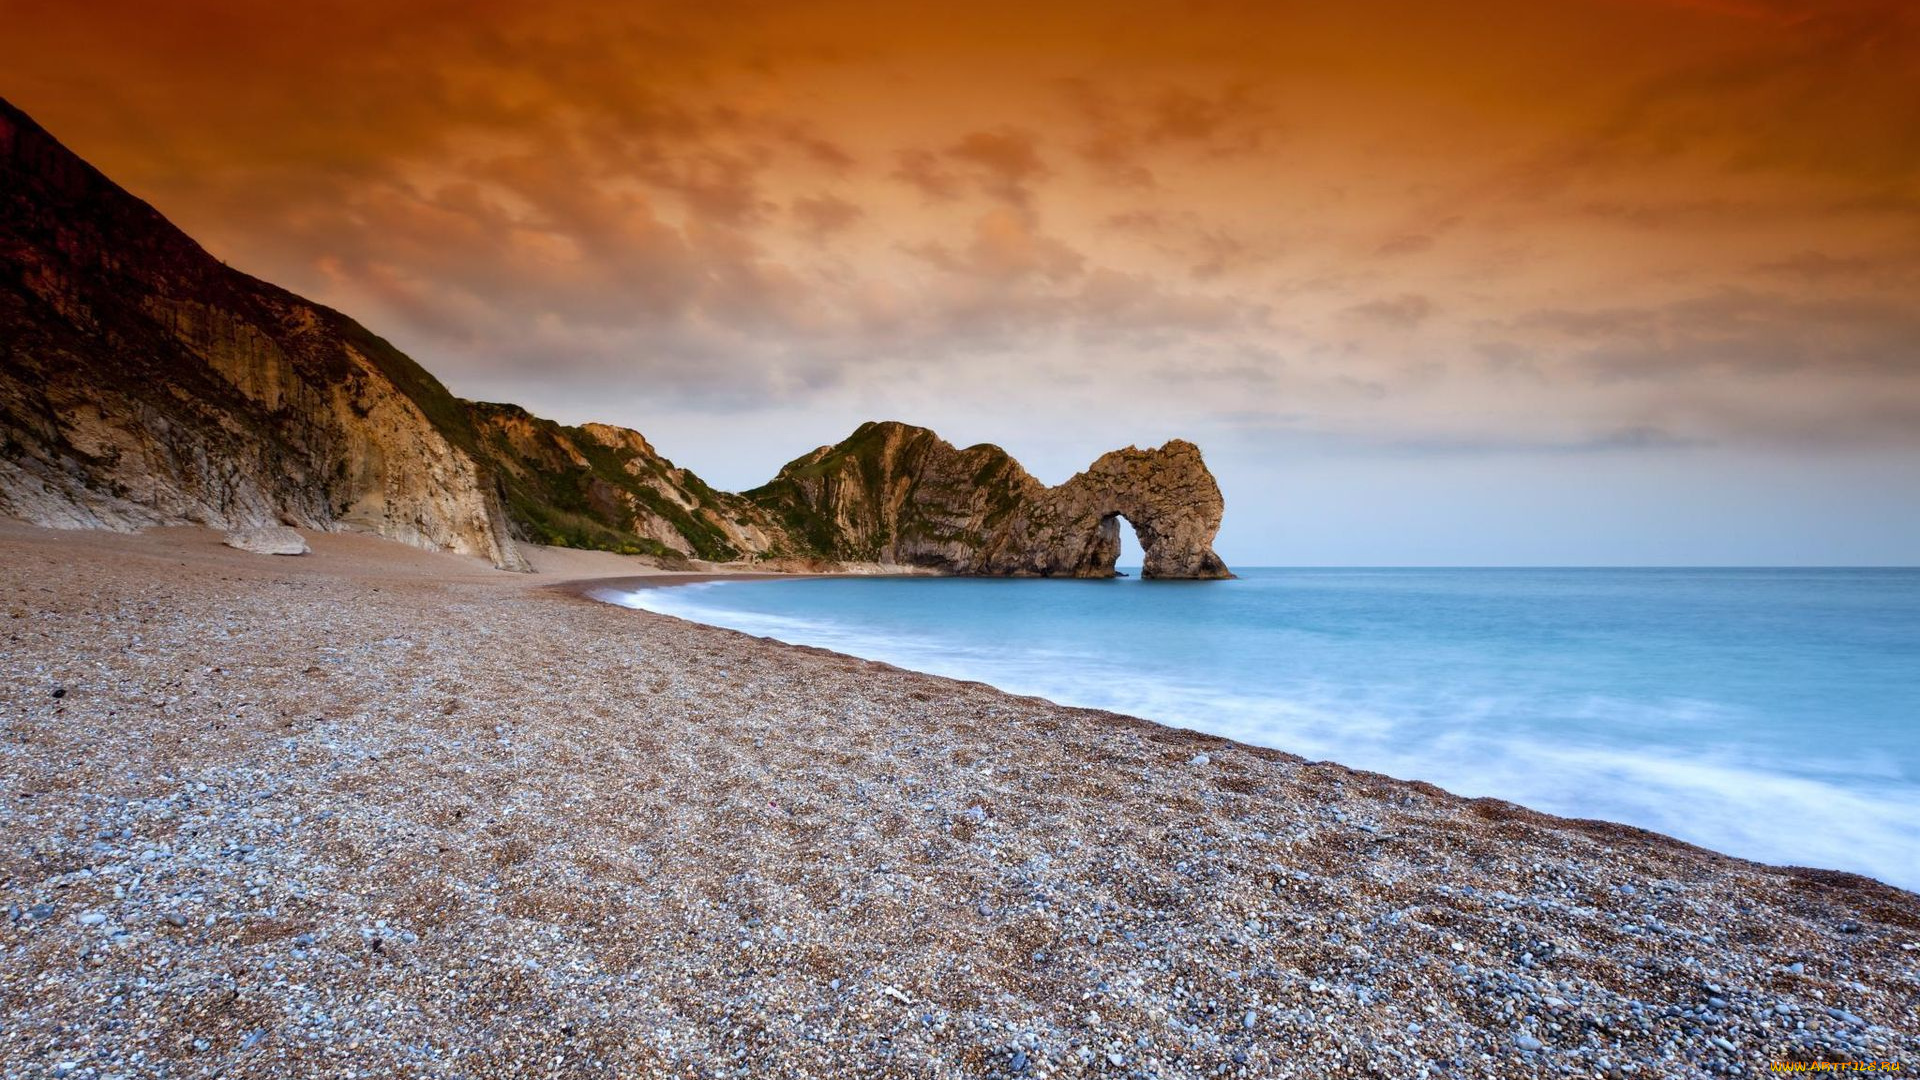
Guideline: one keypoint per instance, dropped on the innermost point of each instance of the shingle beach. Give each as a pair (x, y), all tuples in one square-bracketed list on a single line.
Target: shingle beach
[(374, 812)]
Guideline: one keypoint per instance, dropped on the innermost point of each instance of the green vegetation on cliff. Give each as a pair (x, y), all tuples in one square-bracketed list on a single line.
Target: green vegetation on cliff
[(891, 490), (600, 488)]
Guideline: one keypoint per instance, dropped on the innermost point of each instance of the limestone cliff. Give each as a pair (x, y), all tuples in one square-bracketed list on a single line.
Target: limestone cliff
[(1167, 494), (893, 493), (144, 382)]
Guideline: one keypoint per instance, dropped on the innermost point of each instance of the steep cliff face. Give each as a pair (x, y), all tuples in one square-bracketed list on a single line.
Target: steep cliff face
[(893, 493), (144, 382), (600, 486)]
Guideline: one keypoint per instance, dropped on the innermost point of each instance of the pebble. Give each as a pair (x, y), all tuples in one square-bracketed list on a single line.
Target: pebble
[(1328, 944), (1201, 759)]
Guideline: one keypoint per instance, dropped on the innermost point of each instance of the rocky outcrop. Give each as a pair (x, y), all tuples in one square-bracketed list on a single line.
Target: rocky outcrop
[(1168, 495), (893, 493), (144, 382)]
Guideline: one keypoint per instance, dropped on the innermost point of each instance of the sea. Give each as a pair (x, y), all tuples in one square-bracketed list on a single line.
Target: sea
[(1772, 714)]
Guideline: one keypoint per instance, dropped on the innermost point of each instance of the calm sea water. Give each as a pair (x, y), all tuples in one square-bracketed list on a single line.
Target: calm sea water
[(1773, 714)]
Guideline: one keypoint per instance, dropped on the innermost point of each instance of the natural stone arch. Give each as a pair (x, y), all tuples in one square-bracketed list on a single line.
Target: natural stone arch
[(900, 495), (1167, 495)]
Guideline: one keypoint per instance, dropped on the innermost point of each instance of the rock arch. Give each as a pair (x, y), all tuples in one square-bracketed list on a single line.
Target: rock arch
[(899, 495), (1166, 494)]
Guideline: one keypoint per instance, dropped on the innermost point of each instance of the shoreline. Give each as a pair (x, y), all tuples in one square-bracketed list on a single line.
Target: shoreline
[(585, 587), (414, 817), (596, 589)]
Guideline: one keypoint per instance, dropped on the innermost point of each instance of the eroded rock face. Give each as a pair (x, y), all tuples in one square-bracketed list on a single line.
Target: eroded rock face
[(893, 493), (1167, 494), (143, 382)]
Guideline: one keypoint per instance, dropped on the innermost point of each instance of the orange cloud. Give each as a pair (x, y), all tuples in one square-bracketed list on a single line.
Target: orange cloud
[(1322, 207)]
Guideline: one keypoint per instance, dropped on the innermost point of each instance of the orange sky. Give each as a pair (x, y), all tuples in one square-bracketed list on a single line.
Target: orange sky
[(1497, 232)]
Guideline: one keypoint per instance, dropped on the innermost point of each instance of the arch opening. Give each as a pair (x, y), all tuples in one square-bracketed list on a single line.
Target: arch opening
[(1132, 555), (1118, 548)]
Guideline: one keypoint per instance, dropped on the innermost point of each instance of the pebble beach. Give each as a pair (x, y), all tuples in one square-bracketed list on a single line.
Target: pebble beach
[(376, 812)]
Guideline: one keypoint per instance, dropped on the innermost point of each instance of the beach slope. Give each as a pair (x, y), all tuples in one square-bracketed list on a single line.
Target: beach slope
[(383, 810)]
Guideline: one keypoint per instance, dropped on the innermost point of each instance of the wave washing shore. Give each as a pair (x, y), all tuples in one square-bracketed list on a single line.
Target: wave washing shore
[(378, 812), (1765, 713)]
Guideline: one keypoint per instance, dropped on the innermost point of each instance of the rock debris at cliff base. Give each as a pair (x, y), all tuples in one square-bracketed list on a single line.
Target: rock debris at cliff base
[(379, 812)]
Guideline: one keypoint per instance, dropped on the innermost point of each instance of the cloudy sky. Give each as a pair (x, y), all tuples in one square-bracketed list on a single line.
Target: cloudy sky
[(1494, 281)]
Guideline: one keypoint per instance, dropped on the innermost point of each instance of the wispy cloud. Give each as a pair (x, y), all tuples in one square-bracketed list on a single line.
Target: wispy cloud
[(1620, 225)]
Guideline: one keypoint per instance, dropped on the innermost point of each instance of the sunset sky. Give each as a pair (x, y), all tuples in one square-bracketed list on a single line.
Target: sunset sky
[(1496, 281)]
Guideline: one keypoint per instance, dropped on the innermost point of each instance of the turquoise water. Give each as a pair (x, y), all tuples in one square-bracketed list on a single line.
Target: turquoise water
[(1773, 714)]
